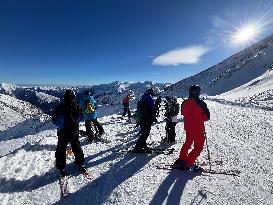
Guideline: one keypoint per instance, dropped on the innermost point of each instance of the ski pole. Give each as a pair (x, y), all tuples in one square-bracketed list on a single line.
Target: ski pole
[(208, 151)]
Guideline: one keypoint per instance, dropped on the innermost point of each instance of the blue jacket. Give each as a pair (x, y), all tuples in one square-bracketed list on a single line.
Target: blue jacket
[(148, 111), (150, 101), (90, 114)]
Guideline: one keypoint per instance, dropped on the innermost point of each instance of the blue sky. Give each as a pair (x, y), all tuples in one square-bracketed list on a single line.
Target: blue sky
[(92, 42)]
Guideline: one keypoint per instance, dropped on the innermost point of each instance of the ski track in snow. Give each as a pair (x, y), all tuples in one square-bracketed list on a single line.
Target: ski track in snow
[(240, 137)]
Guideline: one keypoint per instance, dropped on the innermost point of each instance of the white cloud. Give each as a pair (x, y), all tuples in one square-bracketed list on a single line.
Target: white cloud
[(187, 55)]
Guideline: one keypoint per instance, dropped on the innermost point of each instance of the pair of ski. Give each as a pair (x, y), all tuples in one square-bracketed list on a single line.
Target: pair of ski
[(64, 185), (166, 151), (177, 166)]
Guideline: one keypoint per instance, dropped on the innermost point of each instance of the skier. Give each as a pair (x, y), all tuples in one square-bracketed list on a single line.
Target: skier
[(172, 110), (195, 113), (126, 107), (157, 105), (89, 109), (66, 117), (146, 108)]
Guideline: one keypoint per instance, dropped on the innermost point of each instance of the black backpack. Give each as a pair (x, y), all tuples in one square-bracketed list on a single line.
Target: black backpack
[(141, 106), (174, 109)]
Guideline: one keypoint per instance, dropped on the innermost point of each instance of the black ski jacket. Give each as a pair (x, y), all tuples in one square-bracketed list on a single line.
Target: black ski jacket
[(71, 114)]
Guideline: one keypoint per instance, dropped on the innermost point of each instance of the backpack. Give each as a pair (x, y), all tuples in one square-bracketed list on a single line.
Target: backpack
[(173, 109), (137, 117), (88, 106), (140, 106)]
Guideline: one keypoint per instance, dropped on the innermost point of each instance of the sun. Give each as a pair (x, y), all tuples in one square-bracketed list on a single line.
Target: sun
[(245, 34)]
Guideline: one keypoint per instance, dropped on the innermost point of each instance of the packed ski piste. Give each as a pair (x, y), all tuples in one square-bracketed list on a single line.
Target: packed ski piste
[(170, 150)]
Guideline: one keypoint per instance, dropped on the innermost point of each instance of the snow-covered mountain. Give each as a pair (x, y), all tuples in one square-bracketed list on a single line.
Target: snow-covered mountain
[(239, 137), (46, 97), (14, 111), (256, 93), (232, 72)]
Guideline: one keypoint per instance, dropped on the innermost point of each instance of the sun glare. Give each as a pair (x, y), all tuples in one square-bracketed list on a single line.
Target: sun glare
[(245, 34)]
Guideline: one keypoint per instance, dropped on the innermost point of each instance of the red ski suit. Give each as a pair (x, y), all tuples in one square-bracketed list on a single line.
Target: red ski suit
[(195, 113)]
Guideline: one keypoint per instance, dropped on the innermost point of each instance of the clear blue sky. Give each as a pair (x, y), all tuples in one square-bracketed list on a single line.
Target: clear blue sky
[(94, 42)]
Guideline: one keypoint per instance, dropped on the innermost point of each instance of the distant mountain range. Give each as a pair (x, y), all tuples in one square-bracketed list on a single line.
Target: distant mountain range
[(46, 98)]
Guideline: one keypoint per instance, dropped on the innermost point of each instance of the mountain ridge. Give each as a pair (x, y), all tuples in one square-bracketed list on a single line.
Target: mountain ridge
[(229, 73)]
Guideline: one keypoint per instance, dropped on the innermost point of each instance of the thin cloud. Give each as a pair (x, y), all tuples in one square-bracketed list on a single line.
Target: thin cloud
[(187, 55)]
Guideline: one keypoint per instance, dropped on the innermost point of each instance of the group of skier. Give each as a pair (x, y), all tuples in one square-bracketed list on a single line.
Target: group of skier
[(195, 113), (194, 110)]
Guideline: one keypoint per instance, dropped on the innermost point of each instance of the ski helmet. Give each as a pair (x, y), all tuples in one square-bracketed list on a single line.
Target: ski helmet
[(175, 98), (87, 92), (194, 91), (150, 91), (69, 95)]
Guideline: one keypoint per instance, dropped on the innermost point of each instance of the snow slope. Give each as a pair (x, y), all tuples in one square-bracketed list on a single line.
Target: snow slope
[(239, 137), (258, 92), (14, 111), (232, 72)]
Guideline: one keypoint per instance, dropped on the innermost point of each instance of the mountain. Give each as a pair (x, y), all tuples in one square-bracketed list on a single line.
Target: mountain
[(231, 73), (14, 111), (239, 137), (256, 93), (47, 98)]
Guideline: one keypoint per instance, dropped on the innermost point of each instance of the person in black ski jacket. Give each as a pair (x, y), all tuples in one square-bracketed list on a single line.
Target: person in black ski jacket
[(172, 110), (66, 118), (147, 112)]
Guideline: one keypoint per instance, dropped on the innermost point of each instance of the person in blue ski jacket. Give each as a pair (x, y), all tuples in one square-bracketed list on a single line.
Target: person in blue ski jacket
[(148, 116), (89, 110)]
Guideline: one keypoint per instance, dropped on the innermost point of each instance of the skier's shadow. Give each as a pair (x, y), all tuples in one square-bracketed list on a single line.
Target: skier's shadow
[(176, 180), (117, 174)]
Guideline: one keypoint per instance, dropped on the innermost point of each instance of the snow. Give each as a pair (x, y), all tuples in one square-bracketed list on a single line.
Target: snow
[(239, 138), (14, 111), (7, 88)]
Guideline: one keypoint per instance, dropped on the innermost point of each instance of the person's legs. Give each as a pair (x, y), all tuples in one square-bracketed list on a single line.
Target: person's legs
[(186, 146), (78, 153), (144, 134), (98, 125), (172, 132), (199, 140), (89, 132), (167, 128), (124, 111), (129, 114), (60, 153)]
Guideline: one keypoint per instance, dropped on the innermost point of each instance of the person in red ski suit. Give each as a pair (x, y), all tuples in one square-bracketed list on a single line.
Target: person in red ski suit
[(195, 113), (126, 106)]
